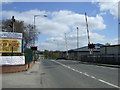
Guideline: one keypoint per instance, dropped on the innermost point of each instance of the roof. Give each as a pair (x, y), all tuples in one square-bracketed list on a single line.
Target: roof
[(111, 45), (85, 48)]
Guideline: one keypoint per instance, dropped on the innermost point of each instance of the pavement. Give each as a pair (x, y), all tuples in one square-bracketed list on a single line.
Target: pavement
[(24, 79), (62, 74)]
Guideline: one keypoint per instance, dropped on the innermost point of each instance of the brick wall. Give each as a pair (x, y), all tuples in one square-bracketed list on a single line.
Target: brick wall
[(10, 69), (30, 64)]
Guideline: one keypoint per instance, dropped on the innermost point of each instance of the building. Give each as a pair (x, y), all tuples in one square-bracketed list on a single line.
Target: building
[(110, 49), (105, 54), (77, 53)]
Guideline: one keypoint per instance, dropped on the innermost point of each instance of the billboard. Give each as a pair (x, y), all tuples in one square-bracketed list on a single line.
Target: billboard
[(10, 42)]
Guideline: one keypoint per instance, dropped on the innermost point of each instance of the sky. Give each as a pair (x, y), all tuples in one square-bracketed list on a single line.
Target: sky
[(65, 17)]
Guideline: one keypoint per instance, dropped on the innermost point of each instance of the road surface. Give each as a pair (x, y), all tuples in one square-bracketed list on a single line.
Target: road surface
[(63, 74)]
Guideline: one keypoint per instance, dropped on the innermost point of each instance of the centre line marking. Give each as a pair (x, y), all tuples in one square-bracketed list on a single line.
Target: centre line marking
[(100, 80)]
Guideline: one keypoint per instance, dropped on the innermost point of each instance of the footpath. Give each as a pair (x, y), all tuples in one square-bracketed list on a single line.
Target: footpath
[(24, 79)]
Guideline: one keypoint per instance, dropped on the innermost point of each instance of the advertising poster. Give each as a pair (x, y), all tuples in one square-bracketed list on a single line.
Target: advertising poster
[(10, 42)]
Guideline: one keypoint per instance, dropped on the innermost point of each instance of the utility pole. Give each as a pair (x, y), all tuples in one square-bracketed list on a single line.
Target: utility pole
[(66, 47), (91, 50)]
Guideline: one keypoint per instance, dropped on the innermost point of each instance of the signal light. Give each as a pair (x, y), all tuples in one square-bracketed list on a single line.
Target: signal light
[(13, 19), (91, 46), (34, 48), (11, 24)]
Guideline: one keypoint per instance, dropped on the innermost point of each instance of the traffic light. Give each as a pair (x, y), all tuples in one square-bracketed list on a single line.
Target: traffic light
[(12, 21), (91, 46), (11, 24)]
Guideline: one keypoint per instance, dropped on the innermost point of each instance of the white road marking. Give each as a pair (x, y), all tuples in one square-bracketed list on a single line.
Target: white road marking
[(84, 73), (90, 65), (93, 77), (107, 67), (108, 83)]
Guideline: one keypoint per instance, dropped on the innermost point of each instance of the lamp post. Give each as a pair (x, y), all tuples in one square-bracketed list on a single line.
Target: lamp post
[(66, 46), (34, 25), (77, 38), (77, 43)]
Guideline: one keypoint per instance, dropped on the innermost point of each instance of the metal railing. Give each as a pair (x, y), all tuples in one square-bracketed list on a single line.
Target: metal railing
[(104, 59)]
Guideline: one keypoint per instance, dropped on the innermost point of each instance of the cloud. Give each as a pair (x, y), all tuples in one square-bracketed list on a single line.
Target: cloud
[(74, 19), (60, 22), (57, 23), (110, 6), (58, 43), (6, 1)]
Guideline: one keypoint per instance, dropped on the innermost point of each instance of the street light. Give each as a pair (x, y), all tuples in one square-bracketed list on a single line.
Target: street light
[(77, 39), (34, 25), (66, 46), (77, 43)]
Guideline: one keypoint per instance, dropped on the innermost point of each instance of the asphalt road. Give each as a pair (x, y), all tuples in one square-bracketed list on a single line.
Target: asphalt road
[(63, 74)]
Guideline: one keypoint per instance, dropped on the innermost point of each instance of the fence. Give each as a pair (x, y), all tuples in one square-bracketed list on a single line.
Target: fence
[(28, 55), (104, 59)]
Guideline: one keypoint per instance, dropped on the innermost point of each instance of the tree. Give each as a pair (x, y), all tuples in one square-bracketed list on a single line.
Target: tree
[(52, 54), (20, 27), (28, 35), (46, 53)]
